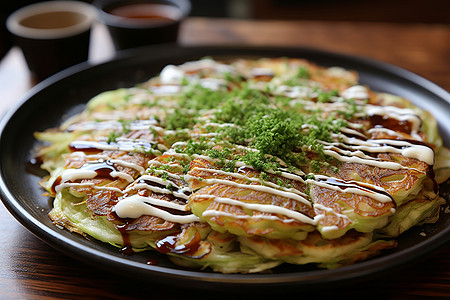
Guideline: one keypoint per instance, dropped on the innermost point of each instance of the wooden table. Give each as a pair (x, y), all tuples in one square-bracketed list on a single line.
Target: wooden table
[(30, 269)]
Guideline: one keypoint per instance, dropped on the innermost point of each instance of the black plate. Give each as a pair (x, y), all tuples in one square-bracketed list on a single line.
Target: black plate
[(66, 93)]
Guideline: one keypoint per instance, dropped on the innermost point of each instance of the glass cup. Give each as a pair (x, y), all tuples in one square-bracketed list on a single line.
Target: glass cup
[(136, 23), (53, 35)]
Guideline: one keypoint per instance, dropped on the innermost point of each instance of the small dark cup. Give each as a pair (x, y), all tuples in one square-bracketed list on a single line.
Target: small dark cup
[(53, 35), (136, 23)]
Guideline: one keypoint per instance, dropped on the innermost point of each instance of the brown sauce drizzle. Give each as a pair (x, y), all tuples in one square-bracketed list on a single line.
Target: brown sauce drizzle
[(55, 184), (127, 249), (169, 245), (338, 149), (173, 211), (103, 169), (360, 136), (33, 166), (169, 186), (88, 147), (152, 262), (390, 123), (263, 77), (432, 177)]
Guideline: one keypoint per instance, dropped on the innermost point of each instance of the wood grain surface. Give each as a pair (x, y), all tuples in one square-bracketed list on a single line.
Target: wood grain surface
[(31, 269)]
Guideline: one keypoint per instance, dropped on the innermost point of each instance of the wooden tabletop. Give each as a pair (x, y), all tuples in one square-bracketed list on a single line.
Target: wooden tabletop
[(30, 269)]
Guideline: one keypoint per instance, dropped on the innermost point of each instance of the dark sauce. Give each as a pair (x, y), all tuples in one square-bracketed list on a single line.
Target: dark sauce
[(171, 210), (170, 186), (127, 249), (151, 183), (122, 227), (33, 166), (55, 184), (420, 143), (390, 123), (145, 12), (103, 169), (357, 136), (432, 177), (88, 147), (263, 77), (169, 245), (152, 262)]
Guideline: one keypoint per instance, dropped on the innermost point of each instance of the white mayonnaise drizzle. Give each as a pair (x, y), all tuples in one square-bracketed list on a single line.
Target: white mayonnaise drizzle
[(220, 125), (407, 149), (96, 157), (329, 228), (68, 176), (354, 188), (356, 92), (264, 208), (136, 206), (126, 164), (171, 75), (160, 180), (125, 145), (352, 132), (217, 213), (358, 160), (420, 152), (214, 84), (158, 163), (300, 92), (251, 179), (112, 124), (88, 184), (122, 175), (166, 89), (339, 72), (391, 133), (260, 188), (262, 72), (175, 74), (140, 184), (74, 174)]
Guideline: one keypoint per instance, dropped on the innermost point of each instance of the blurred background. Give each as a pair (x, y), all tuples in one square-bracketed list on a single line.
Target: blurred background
[(404, 11), (427, 11)]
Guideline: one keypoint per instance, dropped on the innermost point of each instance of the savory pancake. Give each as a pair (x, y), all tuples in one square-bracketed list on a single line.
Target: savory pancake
[(242, 165)]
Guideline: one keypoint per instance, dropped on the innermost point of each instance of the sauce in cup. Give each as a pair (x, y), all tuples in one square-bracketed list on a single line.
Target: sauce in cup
[(137, 23), (146, 12)]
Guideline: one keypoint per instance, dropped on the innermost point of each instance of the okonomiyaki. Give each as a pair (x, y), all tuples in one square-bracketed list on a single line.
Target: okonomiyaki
[(239, 166)]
